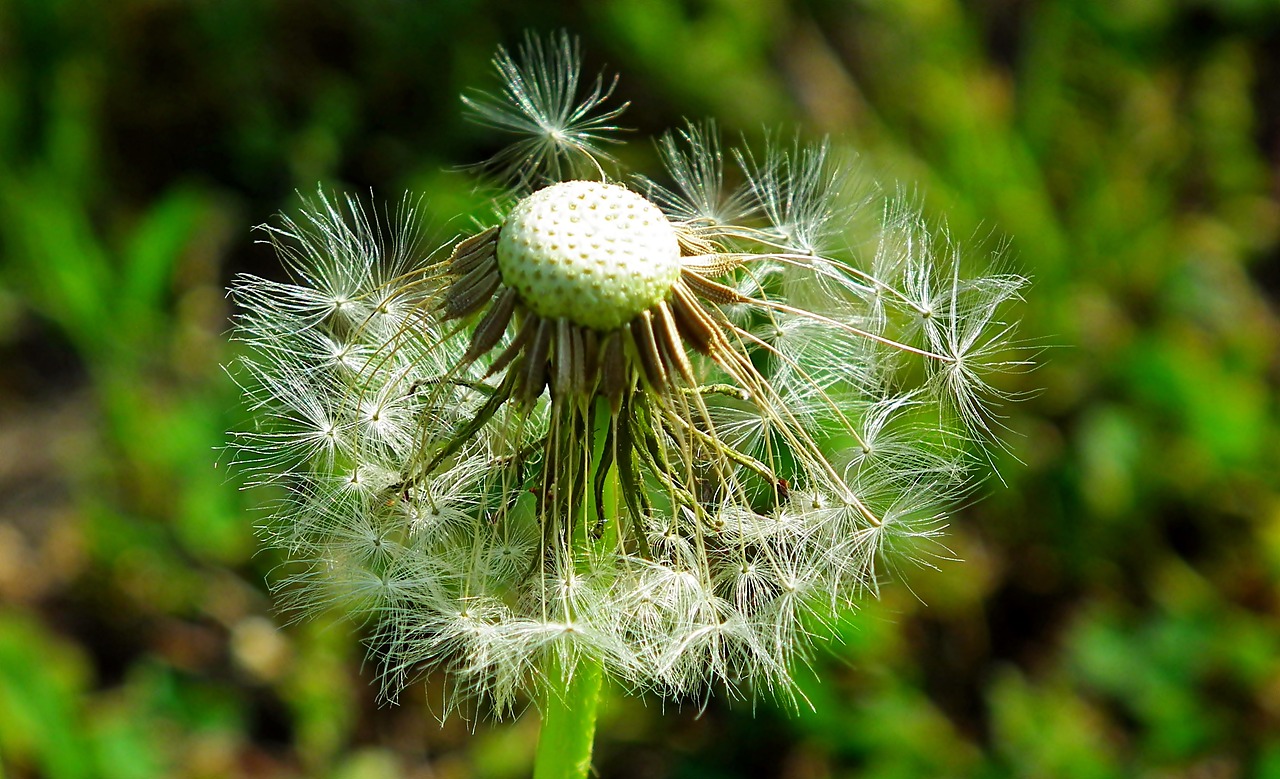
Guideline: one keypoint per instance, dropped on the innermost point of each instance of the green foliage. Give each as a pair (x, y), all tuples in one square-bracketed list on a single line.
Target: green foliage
[(1115, 611)]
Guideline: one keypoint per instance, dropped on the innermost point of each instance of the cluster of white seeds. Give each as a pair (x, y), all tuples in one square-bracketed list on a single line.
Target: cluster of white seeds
[(788, 415)]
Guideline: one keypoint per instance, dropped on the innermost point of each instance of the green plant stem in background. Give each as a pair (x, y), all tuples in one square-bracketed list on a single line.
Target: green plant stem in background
[(569, 721)]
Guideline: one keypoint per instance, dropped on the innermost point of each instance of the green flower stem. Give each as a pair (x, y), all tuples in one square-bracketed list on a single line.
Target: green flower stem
[(569, 721), (573, 694)]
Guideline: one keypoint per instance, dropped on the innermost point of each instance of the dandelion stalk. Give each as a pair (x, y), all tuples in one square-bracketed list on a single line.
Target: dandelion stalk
[(568, 719), (572, 696)]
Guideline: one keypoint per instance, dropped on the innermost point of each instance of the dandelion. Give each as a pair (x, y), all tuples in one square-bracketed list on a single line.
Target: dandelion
[(655, 430)]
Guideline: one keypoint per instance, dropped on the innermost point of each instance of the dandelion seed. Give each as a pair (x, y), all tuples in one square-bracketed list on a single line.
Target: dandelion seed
[(664, 432), (560, 130)]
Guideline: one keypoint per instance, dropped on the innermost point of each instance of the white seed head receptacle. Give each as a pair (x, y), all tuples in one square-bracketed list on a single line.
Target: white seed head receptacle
[(595, 254)]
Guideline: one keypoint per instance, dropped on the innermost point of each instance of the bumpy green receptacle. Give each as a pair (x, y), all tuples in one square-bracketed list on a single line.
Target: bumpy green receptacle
[(594, 254)]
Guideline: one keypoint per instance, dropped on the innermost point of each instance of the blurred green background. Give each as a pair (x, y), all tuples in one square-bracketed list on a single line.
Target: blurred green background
[(1117, 610)]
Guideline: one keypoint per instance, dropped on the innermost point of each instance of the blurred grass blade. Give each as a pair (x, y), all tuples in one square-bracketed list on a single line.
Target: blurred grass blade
[(55, 257), (153, 252), (40, 686)]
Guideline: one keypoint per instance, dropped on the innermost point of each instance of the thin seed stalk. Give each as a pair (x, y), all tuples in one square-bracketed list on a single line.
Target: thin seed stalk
[(573, 693)]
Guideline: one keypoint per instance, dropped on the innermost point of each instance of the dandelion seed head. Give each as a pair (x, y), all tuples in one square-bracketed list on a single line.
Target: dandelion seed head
[(670, 427)]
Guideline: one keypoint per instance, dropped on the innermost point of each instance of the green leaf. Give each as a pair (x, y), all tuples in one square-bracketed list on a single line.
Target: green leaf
[(41, 684), (153, 252)]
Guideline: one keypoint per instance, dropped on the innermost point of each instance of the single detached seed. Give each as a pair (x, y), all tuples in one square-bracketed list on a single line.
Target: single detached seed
[(631, 265)]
